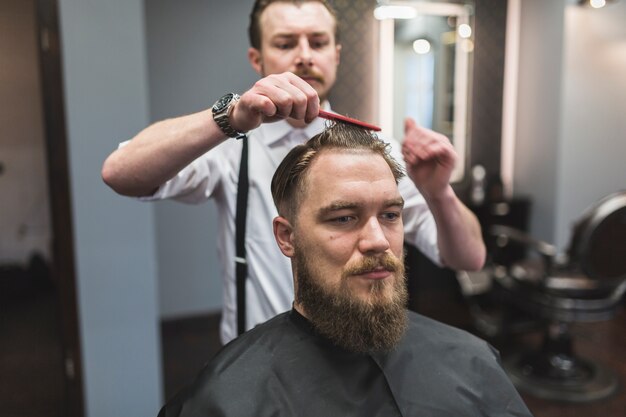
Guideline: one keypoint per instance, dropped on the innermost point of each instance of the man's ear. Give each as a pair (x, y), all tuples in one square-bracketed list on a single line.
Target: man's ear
[(283, 233), (256, 61)]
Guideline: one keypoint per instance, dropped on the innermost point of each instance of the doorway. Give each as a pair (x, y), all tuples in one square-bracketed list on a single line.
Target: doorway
[(39, 349)]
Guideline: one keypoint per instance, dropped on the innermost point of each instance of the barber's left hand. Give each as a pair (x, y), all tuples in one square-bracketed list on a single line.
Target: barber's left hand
[(430, 159)]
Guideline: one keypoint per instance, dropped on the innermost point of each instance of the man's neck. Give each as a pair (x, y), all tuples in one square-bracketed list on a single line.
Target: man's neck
[(300, 309)]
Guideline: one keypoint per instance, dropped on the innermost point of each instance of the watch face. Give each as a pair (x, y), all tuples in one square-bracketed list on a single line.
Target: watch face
[(222, 103)]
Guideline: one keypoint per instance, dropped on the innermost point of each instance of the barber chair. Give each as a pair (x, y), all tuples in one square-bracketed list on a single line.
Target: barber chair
[(553, 290)]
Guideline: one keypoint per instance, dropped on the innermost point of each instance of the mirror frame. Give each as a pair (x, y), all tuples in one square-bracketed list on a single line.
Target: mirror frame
[(462, 75)]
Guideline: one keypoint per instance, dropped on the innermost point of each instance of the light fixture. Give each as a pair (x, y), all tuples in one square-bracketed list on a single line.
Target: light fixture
[(464, 30), (596, 4), (394, 12), (421, 46)]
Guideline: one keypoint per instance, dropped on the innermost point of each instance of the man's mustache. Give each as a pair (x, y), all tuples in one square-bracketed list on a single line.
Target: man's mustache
[(370, 263), (308, 73)]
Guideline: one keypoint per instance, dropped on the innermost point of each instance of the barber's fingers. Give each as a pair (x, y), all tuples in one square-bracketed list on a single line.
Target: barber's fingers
[(409, 125), (429, 150), (290, 100), (422, 144), (281, 96), (416, 135), (311, 103)]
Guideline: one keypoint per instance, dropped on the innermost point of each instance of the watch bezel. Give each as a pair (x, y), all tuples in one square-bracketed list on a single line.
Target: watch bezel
[(221, 110), (223, 102)]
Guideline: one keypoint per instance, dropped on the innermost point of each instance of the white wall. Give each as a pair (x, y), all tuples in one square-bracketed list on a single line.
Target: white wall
[(539, 110), (571, 129), (105, 81), (593, 130), (197, 51)]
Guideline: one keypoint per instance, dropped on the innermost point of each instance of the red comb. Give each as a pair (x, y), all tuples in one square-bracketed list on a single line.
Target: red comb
[(346, 119)]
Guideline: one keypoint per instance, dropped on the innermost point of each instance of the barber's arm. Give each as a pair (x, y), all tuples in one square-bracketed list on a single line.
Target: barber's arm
[(430, 159), (161, 150)]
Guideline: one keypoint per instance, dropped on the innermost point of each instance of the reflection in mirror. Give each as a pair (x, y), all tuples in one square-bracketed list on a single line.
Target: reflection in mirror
[(425, 65)]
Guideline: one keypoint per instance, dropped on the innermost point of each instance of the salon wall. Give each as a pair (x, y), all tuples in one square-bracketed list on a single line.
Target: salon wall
[(197, 51), (105, 87), (539, 110), (593, 129), (571, 129)]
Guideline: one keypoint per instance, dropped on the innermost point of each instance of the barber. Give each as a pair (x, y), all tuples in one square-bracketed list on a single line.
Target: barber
[(295, 50)]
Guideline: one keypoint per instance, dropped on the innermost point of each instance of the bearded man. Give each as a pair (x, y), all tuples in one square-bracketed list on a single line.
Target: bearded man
[(348, 347)]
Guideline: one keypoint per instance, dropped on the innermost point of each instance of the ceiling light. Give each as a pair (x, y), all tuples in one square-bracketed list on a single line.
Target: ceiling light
[(596, 4), (395, 12), (421, 46), (464, 30)]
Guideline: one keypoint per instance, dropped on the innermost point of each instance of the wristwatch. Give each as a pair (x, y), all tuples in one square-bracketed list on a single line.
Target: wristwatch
[(222, 110)]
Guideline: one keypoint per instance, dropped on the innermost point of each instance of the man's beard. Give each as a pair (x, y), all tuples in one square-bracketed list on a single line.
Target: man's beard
[(357, 325)]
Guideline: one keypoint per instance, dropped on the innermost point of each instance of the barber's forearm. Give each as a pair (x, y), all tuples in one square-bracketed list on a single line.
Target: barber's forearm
[(459, 235), (159, 152)]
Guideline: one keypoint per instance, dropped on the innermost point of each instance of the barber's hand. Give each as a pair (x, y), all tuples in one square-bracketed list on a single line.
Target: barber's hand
[(430, 158), (275, 97)]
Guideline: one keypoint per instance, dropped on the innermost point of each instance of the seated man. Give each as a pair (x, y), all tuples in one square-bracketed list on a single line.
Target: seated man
[(348, 347)]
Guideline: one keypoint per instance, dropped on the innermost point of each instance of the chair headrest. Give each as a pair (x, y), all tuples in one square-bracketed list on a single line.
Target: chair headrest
[(598, 244)]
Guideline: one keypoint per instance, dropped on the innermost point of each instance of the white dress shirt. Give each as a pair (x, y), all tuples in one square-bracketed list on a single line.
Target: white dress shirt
[(269, 285)]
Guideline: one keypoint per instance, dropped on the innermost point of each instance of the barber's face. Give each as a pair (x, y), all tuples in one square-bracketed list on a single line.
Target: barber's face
[(349, 225), (298, 39)]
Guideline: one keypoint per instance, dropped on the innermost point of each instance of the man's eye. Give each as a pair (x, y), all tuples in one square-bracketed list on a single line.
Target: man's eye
[(391, 216), (318, 44), (284, 45), (342, 219)]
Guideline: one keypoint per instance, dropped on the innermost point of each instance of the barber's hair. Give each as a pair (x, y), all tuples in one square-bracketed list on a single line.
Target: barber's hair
[(254, 30), (289, 181)]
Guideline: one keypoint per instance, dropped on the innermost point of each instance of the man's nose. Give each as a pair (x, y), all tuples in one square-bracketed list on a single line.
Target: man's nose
[(373, 238), (305, 56)]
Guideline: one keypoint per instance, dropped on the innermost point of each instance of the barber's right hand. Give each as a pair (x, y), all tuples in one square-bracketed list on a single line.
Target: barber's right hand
[(275, 97)]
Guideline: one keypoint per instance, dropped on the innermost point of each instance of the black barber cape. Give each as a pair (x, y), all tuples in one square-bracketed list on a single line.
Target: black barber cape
[(283, 368)]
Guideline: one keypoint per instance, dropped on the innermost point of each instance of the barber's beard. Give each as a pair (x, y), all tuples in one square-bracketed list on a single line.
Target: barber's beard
[(373, 325)]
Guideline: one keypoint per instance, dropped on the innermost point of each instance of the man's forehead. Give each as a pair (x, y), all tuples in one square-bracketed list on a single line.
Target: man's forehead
[(343, 175), (340, 157), (288, 18)]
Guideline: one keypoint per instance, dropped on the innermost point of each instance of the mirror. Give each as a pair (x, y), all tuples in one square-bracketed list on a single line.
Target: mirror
[(425, 67)]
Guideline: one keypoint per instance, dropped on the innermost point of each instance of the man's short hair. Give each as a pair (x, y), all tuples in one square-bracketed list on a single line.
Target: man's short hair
[(288, 182), (254, 30)]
